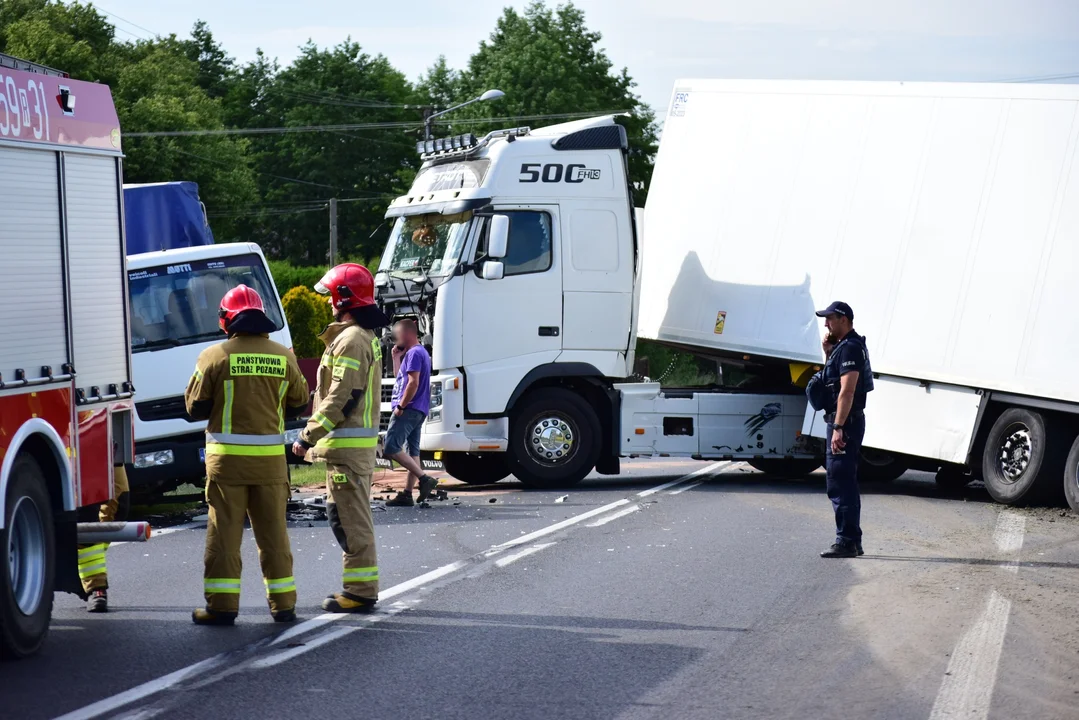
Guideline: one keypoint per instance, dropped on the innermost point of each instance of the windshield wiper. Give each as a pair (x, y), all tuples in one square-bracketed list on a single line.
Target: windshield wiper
[(174, 342), (203, 336)]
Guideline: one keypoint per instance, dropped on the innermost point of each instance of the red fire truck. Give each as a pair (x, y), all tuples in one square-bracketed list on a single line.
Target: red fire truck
[(65, 366)]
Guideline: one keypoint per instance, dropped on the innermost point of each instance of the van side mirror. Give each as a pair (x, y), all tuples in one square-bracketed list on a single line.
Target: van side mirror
[(493, 270), (498, 237)]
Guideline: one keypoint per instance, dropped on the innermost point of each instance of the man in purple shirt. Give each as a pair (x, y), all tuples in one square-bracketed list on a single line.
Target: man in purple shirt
[(411, 402)]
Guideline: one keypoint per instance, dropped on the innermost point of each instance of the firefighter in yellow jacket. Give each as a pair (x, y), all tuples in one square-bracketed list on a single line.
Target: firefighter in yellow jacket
[(92, 570), (343, 431), (246, 387)]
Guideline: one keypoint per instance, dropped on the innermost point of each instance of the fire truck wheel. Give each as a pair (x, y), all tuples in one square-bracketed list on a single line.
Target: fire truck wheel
[(476, 469), (554, 439), (27, 561)]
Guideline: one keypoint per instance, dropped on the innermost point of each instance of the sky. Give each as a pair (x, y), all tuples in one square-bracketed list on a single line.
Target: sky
[(660, 41)]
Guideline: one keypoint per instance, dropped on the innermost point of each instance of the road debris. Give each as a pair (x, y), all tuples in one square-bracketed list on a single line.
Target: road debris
[(561, 498)]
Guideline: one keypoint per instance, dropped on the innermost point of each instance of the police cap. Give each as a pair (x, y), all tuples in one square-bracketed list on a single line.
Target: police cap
[(837, 308)]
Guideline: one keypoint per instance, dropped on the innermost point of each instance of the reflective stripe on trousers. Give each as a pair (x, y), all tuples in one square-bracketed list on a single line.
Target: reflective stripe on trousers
[(280, 585), (358, 575), (222, 585), (92, 560)]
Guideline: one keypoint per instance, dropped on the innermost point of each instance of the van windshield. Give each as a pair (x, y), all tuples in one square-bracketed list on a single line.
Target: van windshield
[(174, 305)]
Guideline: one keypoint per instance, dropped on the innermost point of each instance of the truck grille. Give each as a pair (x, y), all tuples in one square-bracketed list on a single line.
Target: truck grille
[(387, 393), (170, 408)]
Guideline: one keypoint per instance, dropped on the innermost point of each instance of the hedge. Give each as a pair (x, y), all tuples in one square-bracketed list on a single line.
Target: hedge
[(307, 314)]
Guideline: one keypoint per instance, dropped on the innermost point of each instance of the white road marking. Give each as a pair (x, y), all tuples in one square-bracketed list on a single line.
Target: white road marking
[(703, 471), (326, 618), (286, 655), (139, 692), (525, 539), (967, 690), (682, 489), (152, 687), (1008, 536), (614, 516), (503, 562)]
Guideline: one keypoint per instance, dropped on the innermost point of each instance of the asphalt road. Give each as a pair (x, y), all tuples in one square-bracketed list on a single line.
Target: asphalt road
[(702, 599)]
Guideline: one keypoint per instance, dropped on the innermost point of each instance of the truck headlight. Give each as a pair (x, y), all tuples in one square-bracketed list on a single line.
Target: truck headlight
[(292, 436), (436, 395), (154, 459)]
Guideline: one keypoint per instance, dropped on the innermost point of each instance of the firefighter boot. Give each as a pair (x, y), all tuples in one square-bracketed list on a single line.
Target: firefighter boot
[(203, 616), (98, 602), (344, 602)]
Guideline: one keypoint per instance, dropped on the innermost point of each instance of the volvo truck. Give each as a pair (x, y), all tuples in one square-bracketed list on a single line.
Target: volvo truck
[(946, 214)]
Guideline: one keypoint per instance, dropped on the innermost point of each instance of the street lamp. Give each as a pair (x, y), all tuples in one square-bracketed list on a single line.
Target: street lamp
[(489, 95)]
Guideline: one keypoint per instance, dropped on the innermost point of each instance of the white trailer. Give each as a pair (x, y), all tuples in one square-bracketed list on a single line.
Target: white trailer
[(946, 214)]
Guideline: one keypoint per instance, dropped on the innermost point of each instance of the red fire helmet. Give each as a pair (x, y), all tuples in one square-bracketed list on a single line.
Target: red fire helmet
[(236, 301), (349, 286)]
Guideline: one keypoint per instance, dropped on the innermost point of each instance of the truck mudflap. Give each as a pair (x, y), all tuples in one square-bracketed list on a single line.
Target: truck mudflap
[(67, 554)]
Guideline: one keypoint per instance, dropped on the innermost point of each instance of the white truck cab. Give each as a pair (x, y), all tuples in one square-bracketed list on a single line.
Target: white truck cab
[(174, 299)]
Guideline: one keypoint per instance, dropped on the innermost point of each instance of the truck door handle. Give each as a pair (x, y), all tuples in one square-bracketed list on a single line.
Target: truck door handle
[(548, 331)]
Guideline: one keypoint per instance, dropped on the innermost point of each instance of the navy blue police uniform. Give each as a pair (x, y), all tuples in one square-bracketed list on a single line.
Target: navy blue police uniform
[(849, 355)]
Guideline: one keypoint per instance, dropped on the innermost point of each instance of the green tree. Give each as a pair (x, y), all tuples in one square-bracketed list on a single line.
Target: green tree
[(72, 37), (217, 70), (440, 86), (157, 90), (548, 62), (301, 170)]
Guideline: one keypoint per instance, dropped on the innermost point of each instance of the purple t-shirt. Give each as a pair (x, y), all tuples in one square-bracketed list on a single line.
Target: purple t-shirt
[(415, 360)]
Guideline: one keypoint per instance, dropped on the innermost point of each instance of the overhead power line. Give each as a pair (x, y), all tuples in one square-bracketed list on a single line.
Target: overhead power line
[(140, 27), (392, 125), (1040, 78)]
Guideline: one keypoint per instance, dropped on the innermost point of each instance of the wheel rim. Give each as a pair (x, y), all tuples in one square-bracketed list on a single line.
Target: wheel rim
[(552, 439), (26, 555), (1016, 450)]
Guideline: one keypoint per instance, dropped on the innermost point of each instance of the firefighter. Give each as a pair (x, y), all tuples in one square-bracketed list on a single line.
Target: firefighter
[(92, 570), (246, 387), (343, 431)]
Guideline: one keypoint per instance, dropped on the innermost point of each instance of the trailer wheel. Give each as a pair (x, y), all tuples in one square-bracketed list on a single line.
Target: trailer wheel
[(880, 467), (27, 561), (476, 469), (1023, 459), (785, 468), (1071, 477), (554, 439)]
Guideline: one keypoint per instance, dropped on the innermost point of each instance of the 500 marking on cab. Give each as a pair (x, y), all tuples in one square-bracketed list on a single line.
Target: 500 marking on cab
[(23, 109), (556, 172)]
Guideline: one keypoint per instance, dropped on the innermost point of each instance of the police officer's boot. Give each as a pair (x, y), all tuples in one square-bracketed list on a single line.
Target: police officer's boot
[(842, 549), (205, 616)]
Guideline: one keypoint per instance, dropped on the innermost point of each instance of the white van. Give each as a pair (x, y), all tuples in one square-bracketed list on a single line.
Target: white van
[(175, 296)]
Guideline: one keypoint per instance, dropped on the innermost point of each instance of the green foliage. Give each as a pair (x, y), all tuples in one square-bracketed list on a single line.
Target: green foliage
[(672, 368), (273, 188), (307, 314), (548, 62), (287, 276)]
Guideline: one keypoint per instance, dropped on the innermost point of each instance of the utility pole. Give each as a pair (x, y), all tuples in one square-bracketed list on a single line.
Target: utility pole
[(333, 231)]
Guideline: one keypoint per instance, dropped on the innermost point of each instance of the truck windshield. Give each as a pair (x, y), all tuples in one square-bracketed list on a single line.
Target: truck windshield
[(430, 244), (174, 305)]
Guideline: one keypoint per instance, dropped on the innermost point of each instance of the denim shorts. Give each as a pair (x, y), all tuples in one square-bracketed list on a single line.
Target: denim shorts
[(404, 430)]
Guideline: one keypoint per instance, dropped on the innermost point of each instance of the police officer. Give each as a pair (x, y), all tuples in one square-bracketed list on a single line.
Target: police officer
[(92, 568), (246, 387), (343, 431), (848, 377)]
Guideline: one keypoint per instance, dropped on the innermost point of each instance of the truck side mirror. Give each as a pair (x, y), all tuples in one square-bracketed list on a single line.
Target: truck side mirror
[(493, 270), (498, 237)]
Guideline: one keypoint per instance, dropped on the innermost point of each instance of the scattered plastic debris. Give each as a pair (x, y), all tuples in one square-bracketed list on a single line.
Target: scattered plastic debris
[(561, 499), (425, 505), (493, 500), (442, 495)]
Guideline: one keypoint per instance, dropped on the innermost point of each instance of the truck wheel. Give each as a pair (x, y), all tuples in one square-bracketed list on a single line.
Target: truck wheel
[(476, 469), (1071, 477), (554, 439), (27, 561), (786, 468), (1023, 460), (880, 467)]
